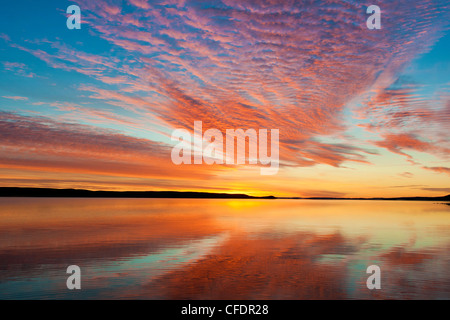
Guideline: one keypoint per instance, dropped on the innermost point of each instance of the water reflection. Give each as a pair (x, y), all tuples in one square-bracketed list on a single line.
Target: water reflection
[(223, 249)]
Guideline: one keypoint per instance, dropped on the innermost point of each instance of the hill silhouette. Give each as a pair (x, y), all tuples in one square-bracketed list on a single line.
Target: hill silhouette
[(81, 193)]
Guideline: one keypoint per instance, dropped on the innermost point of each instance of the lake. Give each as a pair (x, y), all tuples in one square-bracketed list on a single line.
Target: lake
[(223, 249)]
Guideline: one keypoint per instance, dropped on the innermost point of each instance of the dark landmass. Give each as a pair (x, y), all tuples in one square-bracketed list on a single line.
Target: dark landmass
[(79, 193), (444, 198)]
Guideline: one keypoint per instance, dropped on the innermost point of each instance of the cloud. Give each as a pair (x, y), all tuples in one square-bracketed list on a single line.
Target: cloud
[(249, 64), (321, 194), (18, 69), (438, 169), (261, 64), (39, 143), (438, 189), (398, 143), (406, 174), (17, 98), (143, 4)]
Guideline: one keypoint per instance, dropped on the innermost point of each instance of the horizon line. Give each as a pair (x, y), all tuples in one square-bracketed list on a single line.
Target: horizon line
[(72, 192)]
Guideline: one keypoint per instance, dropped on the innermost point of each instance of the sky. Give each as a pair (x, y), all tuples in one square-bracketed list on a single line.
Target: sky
[(360, 112)]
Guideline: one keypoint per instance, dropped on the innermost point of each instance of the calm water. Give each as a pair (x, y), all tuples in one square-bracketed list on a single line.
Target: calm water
[(223, 249)]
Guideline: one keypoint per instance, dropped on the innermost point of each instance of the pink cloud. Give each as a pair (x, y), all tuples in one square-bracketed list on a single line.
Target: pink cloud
[(439, 169), (15, 98), (398, 143), (39, 143), (260, 64), (143, 4)]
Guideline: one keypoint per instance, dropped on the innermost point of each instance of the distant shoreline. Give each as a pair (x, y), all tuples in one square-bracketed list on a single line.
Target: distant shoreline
[(80, 193)]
